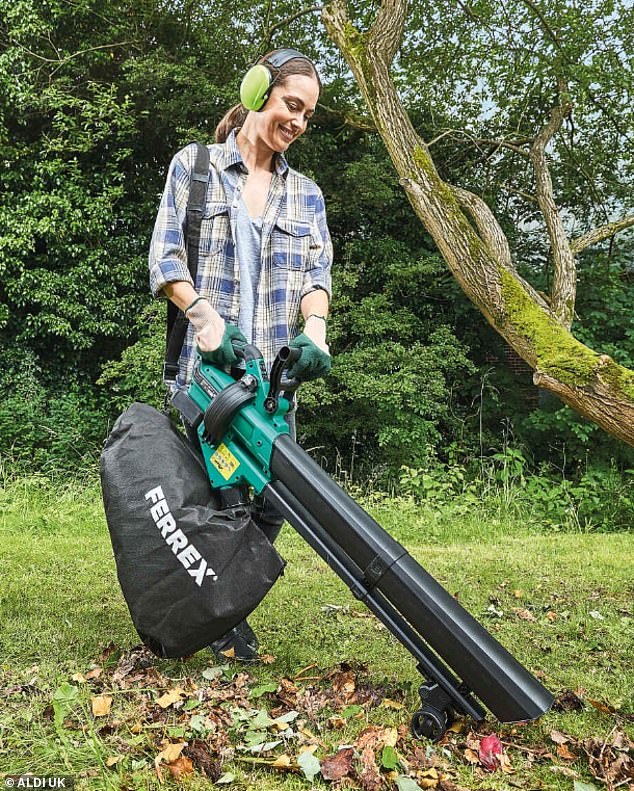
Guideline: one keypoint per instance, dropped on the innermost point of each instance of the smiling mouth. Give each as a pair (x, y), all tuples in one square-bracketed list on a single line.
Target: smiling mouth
[(287, 134)]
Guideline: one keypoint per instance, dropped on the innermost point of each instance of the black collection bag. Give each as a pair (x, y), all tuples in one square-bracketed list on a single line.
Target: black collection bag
[(188, 571)]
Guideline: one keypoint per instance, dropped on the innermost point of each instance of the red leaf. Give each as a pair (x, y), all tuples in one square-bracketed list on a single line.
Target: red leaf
[(490, 749)]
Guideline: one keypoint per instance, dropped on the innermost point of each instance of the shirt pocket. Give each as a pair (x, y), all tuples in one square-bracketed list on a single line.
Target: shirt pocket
[(291, 243), (215, 228)]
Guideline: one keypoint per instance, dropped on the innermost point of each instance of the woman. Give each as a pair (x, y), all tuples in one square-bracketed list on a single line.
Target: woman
[(264, 253)]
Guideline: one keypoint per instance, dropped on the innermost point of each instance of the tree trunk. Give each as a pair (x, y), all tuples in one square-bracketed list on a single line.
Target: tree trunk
[(473, 244)]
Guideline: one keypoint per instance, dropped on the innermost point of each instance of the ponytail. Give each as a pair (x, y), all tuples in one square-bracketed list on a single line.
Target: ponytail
[(234, 118)]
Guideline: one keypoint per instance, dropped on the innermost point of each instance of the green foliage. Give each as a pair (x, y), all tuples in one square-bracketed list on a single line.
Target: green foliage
[(53, 426), (137, 376), (597, 500)]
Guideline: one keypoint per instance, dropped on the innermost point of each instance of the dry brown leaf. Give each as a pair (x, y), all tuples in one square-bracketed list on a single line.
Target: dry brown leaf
[(336, 722), (551, 616), (559, 738), (525, 615), (602, 707), (429, 778), (181, 767), (471, 756), (202, 758), (170, 753), (80, 678), (113, 760), (337, 766), (564, 752), (282, 762), (171, 697), (94, 673), (376, 738), (230, 653), (101, 705), (267, 659), (392, 704), (370, 776), (518, 594)]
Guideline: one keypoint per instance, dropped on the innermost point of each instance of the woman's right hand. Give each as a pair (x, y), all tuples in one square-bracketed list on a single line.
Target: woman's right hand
[(214, 337), (208, 324)]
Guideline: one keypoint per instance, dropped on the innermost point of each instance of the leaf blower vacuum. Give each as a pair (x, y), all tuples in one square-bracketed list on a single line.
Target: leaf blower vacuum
[(245, 441)]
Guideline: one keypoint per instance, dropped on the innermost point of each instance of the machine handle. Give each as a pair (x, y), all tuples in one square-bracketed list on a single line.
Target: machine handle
[(286, 356)]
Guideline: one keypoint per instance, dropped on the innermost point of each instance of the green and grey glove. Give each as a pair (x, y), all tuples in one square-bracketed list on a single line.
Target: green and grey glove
[(213, 336), (313, 363), (224, 355)]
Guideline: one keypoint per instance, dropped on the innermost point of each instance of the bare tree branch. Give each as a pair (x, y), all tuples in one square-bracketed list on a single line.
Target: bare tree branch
[(62, 61), (599, 234), (565, 279), (350, 119), (386, 34), (268, 35), (486, 223)]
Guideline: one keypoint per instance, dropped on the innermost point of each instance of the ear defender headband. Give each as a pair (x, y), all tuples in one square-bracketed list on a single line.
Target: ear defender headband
[(259, 80)]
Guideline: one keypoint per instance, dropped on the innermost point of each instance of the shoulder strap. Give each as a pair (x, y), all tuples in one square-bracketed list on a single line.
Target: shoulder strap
[(176, 321)]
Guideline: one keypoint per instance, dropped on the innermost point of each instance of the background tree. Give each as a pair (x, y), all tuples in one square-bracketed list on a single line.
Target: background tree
[(534, 65)]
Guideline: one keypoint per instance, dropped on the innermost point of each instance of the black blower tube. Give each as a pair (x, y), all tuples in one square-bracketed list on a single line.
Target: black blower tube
[(497, 678)]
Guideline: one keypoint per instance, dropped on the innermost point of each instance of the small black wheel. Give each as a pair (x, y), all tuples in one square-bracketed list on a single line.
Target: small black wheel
[(429, 723)]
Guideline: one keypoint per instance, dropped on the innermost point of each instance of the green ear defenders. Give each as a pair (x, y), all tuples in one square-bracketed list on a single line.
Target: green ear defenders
[(258, 81)]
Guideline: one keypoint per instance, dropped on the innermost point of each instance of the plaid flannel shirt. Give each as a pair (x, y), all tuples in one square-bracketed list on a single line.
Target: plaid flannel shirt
[(296, 247)]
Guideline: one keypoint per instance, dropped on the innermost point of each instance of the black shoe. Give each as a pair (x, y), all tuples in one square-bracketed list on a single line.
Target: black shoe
[(240, 644)]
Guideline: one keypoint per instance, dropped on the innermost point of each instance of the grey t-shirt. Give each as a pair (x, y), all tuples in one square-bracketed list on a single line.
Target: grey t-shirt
[(248, 250)]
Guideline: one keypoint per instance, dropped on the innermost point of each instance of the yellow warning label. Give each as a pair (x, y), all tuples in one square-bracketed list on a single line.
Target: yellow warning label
[(224, 461)]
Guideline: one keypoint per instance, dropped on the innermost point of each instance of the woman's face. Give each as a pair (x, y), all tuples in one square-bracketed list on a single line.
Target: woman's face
[(287, 111)]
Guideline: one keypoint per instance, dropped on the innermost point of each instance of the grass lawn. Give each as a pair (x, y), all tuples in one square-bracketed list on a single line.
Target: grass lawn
[(562, 603)]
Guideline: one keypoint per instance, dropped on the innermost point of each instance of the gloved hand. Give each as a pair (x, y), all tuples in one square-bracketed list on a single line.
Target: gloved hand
[(213, 335), (313, 363)]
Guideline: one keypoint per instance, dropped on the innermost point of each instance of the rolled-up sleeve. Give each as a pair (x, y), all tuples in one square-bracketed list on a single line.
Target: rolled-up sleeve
[(168, 251), (317, 273)]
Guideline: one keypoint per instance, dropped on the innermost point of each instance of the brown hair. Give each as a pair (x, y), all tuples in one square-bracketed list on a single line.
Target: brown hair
[(236, 116)]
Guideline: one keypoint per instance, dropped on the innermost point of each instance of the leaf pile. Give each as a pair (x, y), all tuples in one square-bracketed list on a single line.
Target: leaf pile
[(218, 721)]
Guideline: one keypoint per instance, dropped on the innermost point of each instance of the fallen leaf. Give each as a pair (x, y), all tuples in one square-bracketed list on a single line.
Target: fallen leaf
[(567, 701), (406, 784), (376, 738), (101, 705), (226, 778), (471, 756), (336, 722), (94, 673), (602, 707), (337, 766), (113, 760), (428, 779), (229, 653), (201, 757), (551, 616), (79, 678), (309, 764), (559, 738), (564, 752), (282, 761), (170, 753), (525, 615), (370, 775), (392, 704), (267, 659), (518, 594), (489, 752), (171, 697), (181, 767)]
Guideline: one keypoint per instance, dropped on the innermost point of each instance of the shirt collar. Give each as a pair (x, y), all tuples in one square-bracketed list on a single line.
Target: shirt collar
[(233, 156)]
